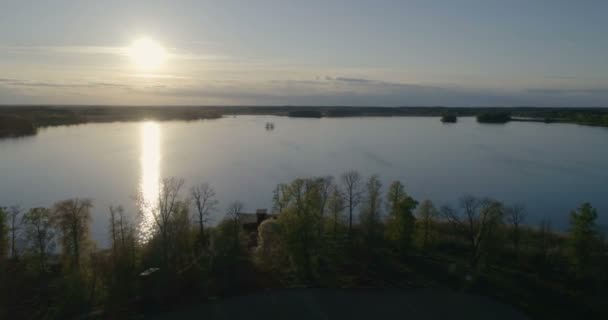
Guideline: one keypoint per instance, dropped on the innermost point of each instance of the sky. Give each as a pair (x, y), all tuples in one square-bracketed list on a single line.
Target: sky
[(283, 52)]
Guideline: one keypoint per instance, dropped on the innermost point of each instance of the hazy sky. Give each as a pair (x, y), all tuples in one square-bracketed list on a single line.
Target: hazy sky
[(452, 52)]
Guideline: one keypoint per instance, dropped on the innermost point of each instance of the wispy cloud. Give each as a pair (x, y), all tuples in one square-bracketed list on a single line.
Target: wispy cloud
[(568, 91), (27, 83), (320, 90), (83, 50)]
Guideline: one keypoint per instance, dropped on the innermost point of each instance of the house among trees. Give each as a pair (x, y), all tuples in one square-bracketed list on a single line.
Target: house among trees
[(251, 221)]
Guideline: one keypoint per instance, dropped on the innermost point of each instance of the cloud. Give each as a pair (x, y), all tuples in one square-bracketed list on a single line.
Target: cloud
[(326, 90), (350, 80), (80, 50), (105, 51), (567, 91), (26, 83)]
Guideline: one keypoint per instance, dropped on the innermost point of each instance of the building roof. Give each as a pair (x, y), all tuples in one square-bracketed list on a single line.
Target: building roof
[(248, 218)]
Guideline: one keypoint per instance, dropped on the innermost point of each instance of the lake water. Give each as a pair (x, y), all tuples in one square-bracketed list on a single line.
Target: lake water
[(551, 168)]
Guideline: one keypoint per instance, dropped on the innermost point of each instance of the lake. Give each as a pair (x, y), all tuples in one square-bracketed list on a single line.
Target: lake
[(551, 168)]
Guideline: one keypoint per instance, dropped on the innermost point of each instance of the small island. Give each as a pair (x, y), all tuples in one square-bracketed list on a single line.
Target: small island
[(449, 118)]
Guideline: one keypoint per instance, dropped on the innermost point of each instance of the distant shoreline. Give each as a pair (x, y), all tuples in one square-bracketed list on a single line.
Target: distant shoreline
[(14, 118)]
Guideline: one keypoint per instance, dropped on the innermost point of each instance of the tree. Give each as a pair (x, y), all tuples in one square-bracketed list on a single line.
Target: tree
[(123, 239), (268, 251), (300, 222), (584, 238), (370, 214), (278, 196), (351, 181), (401, 221), (335, 205), (73, 217), (3, 233), (233, 214), (14, 229), (545, 241), (427, 214), (515, 216), (324, 185), (394, 196), (180, 241), (479, 218), (205, 202), (39, 235), (162, 211)]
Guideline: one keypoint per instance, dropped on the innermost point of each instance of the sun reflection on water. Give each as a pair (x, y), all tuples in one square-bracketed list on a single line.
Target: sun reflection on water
[(150, 177)]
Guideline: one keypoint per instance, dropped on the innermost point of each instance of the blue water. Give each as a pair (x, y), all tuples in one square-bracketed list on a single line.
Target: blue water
[(551, 168)]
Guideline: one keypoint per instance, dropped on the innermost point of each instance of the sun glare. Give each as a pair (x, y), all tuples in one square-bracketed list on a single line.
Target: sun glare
[(147, 54), (150, 176)]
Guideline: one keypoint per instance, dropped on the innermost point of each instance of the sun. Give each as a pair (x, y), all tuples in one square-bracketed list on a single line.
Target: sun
[(147, 54)]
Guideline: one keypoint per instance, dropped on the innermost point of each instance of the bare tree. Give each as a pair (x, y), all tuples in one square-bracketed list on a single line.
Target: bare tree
[(73, 217), (203, 197), (477, 221), (336, 206), (351, 180), (163, 210), (3, 234), (515, 215), (324, 186), (113, 230), (123, 237), (14, 229), (39, 234)]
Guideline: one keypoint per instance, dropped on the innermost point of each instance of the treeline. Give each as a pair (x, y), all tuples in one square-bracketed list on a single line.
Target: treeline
[(494, 117), (18, 121), (43, 116), (346, 232), (16, 126)]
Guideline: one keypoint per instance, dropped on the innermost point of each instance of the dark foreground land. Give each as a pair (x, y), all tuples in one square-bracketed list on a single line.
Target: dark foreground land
[(350, 304), (24, 120)]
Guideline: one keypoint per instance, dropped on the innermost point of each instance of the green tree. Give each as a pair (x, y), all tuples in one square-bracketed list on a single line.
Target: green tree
[(515, 216), (336, 207), (229, 255), (278, 198), (39, 235), (371, 223), (323, 188), (3, 234), (427, 215), (73, 219), (401, 221), (269, 253), (300, 222), (15, 229), (584, 238)]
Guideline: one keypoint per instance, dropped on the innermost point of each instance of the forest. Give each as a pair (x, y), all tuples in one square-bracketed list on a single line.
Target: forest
[(324, 232)]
